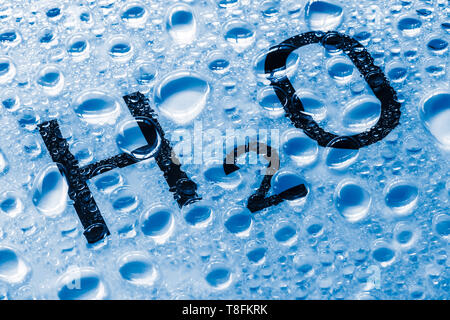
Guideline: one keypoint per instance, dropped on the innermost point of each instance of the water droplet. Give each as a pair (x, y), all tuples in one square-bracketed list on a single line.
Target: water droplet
[(13, 269), (361, 113), (215, 174), (340, 69), (341, 152), (198, 215), (238, 221), (289, 70), (97, 107), (32, 146), (441, 225), (437, 46), (218, 63), (51, 80), (53, 12), (352, 200), (10, 100), (78, 47), (181, 24), (7, 70), (435, 114), (47, 37), (134, 14), (120, 49), (27, 118), (10, 38), (299, 147), (4, 165), (145, 73), (138, 138), (11, 204), (312, 104), (409, 26), (396, 72), (239, 34), (323, 15), (268, 99), (405, 235), (314, 226), (181, 96), (219, 277), (284, 180), (107, 182), (158, 223), (50, 191), (256, 253), (124, 200), (137, 269), (383, 253), (227, 3), (401, 197), (285, 233), (81, 284)]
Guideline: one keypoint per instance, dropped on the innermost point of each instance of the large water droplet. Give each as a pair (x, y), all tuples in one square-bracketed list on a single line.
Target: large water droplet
[(284, 180), (239, 222), (341, 152), (215, 174), (7, 70), (198, 215), (81, 284), (78, 47), (441, 225), (340, 69), (4, 166), (139, 138), (50, 191), (239, 34), (181, 96), (136, 268), (181, 24), (97, 107), (438, 46), (11, 204), (285, 233), (401, 197), (323, 15), (13, 268), (10, 38), (51, 80), (435, 114), (409, 26), (352, 200), (219, 277), (124, 200), (158, 223), (107, 182), (134, 14), (145, 73), (397, 72), (361, 113), (405, 234), (299, 147), (312, 104), (120, 49), (383, 253)]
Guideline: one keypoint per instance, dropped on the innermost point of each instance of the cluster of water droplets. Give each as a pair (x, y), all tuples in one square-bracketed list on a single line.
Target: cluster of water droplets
[(375, 222)]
